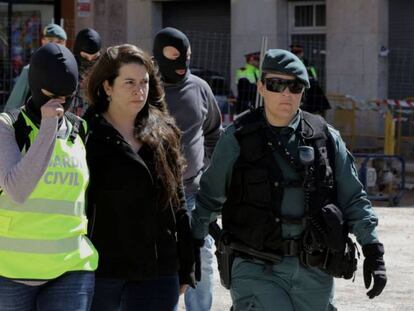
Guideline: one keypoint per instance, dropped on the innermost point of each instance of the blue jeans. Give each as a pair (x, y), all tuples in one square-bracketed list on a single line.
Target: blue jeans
[(72, 291), (201, 298), (160, 294)]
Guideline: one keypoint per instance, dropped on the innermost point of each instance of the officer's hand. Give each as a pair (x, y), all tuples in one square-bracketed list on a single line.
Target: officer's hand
[(374, 268), (53, 108), (198, 244)]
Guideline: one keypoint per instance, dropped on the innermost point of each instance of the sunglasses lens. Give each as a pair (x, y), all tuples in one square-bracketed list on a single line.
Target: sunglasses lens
[(279, 85), (296, 87), (275, 85)]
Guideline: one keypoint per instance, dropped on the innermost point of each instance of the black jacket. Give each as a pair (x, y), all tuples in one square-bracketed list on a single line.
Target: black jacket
[(136, 239)]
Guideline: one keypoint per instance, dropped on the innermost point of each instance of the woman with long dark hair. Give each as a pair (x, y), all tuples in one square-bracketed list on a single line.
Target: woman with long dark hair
[(136, 200)]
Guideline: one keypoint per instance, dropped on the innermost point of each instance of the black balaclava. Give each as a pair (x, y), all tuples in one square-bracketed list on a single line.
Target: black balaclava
[(171, 37), (53, 68), (89, 41)]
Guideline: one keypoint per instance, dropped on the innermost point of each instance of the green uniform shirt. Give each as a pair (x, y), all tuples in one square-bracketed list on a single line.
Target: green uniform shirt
[(215, 184)]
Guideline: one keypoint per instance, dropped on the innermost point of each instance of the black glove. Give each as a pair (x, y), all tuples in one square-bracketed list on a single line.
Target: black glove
[(198, 244), (374, 267)]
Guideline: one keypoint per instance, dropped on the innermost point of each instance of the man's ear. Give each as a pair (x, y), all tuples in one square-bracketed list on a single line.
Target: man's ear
[(260, 87), (107, 88)]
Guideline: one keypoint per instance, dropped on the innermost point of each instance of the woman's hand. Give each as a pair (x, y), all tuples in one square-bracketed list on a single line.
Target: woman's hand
[(53, 108), (183, 288)]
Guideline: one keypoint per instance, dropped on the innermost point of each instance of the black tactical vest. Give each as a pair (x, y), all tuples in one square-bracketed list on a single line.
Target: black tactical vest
[(252, 211)]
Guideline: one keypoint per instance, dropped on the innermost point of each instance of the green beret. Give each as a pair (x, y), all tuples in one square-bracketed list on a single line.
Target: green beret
[(285, 62), (54, 31)]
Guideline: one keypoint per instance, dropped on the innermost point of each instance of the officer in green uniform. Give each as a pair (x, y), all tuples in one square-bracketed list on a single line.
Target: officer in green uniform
[(286, 185), (246, 80)]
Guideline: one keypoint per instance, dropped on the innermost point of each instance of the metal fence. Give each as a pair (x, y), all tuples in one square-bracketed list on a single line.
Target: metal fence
[(374, 126)]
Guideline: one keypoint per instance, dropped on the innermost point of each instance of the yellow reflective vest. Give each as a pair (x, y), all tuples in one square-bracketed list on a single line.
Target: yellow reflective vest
[(44, 237), (248, 72)]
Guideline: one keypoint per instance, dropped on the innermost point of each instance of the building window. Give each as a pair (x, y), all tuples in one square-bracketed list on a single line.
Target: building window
[(307, 28), (309, 14), (320, 15), (303, 16)]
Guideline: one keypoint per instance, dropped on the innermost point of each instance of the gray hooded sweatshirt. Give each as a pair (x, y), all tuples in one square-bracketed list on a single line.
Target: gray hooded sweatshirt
[(192, 103)]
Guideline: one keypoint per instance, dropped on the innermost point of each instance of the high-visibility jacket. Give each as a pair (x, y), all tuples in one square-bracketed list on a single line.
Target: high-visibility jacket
[(312, 73), (248, 72), (44, 237), (246, 79)]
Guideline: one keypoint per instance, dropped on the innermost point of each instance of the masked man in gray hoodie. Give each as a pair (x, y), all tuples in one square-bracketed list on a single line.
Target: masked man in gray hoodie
[(191, 102)]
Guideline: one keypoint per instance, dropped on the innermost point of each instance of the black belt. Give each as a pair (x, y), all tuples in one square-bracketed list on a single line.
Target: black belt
[(291, 247)]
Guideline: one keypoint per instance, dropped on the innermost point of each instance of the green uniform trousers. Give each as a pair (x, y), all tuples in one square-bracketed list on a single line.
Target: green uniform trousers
[(286, 286)]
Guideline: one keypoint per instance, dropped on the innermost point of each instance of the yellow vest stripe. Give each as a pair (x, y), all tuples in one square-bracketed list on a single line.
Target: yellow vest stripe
[(42, 206), (40, 246)]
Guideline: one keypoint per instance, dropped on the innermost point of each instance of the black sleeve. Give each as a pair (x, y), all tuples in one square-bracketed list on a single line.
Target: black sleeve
[(185, 248)]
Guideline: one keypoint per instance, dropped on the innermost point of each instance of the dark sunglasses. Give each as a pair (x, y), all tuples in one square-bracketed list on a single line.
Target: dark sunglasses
[(279, 85)]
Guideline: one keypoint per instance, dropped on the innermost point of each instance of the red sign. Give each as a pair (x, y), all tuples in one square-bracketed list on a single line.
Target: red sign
[(83, 8)]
